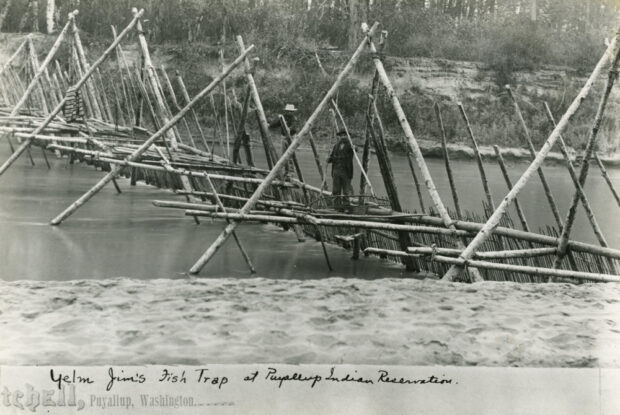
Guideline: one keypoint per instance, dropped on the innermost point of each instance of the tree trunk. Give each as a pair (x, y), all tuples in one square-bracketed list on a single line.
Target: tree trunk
[(49, 16), (5, 10), (358, 13), (458, 9), (35, 16), (472, 9), (24, 21)]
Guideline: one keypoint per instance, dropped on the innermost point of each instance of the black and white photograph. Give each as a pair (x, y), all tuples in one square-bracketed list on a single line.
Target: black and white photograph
[(367, 205)]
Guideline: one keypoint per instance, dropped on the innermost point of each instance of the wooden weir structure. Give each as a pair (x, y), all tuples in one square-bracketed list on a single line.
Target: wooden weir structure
[(136, 121)]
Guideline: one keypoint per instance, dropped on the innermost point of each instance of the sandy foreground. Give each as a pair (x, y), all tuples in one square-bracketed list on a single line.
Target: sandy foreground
[(388, 321)]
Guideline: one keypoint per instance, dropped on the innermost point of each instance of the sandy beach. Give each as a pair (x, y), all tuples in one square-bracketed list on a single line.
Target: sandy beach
[(391, 321)]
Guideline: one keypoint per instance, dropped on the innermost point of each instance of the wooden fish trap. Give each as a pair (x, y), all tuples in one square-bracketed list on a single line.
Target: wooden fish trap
[(130, 122)]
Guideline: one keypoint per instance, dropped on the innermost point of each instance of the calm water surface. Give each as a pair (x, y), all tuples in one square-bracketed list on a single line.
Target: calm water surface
[(125, 235)]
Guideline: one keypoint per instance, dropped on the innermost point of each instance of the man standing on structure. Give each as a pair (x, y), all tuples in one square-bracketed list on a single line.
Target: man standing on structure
[(289, 116), (341, 158)]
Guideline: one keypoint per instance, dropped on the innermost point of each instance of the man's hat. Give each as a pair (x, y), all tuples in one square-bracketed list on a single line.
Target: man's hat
[(290, 108)]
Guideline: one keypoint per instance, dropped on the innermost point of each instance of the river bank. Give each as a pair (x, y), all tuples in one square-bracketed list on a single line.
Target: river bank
[(124, 321)]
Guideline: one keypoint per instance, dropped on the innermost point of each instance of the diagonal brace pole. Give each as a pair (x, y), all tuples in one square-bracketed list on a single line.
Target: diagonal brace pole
[(494, 220), (277, 168), (147, 144), (26, 144)]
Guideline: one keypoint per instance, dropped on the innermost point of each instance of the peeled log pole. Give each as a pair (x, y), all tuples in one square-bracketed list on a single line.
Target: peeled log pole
[(366, 152), (474, 227), (145, 146), (601, 166), (154, 82), (245, 255), (515, 253), (239, 216), (317, 159), (523, 269), (202, 261), (90, 85), (187, 99), (357, 159), (483, 175), (175, 102), (502, 166), (13, 56), (538, 271), (495, 218), (35, 79), (446, 157), (587, 154), (263, 125), (388, 180), (242, 133), (26, 144), (532, 149), (573, 174), (417, 154)]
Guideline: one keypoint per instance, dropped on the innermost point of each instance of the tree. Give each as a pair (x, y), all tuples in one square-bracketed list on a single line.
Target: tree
[(5, 10), (358, 14), (49, 15)]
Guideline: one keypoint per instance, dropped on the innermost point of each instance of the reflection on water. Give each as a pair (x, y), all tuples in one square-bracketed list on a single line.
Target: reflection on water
[(124, 235)]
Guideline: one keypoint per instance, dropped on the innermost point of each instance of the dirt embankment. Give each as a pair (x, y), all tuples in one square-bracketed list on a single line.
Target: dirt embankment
[(419, 82)]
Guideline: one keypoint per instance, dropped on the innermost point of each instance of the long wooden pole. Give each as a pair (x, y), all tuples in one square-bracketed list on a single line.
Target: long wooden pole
[(587, 154), (263, 125), (286, 193), (309, 219), (241, 132), (357, 159), (127, 84), (175, 102), (275, 172), (26, 144), (187, 99), (115, 171), (532, 149), (446, 157), (90, 86), (502, 166), (474, 227), (154, 82), (515, 253), (225, 94), (390, 184), (474, 143), (522, 269), (573, 174), (495, 218), (417, 154), (34, 63), (35, 79), (603, 170), (13, 56), (217, 199)]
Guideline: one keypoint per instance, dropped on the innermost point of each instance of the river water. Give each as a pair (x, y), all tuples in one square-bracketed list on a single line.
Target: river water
[(125, 235), (112, 278)]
